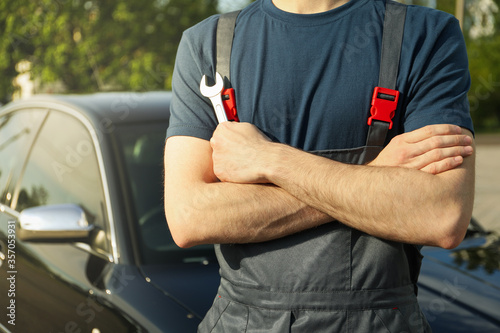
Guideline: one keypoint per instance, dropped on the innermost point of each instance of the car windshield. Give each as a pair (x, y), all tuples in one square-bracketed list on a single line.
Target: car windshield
[(141, 146)]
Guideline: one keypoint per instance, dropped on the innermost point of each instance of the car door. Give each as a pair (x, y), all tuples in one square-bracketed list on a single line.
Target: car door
[(55, 285), (17, 132)]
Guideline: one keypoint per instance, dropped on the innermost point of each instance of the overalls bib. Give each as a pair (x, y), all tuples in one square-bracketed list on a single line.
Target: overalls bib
[(327, 279)]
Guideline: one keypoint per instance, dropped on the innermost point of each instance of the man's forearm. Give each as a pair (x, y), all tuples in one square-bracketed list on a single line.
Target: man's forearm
[(242, 213), (393, 203), (384, 199), (202, 210)]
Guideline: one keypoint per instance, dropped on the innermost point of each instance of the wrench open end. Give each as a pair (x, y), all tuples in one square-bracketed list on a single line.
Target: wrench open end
[(214, 93), (208, 91)]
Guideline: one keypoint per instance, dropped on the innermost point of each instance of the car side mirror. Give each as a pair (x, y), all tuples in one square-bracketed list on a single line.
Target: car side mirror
[(54, 223)]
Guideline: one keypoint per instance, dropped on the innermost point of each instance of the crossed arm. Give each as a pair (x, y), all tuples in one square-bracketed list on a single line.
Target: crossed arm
[(418, 190)]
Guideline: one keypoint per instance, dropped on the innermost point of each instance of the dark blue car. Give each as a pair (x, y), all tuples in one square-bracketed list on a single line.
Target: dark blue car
[(84, 245)]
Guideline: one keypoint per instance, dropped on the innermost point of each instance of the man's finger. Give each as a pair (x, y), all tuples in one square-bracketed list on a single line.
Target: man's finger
[(463, 143), (431, 131), (443, 165), (438, 155)]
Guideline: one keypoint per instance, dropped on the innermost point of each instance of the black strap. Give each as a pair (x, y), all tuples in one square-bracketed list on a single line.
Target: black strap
[(377, 133), (225, 34), (392, 40)]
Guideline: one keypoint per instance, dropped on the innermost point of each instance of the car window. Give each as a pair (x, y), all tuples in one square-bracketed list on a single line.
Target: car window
[(63, 168), (141, 146), (17, 130)]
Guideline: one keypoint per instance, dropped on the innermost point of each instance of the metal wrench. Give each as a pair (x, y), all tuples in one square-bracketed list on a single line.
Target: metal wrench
[(214, 93)]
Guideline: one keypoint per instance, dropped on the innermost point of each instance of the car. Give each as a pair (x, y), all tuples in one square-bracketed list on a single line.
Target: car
[(85, 247), (459, 289)]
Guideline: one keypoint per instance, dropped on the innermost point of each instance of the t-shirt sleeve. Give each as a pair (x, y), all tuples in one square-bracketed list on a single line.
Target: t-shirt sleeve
[(191, 114), (440, 78)]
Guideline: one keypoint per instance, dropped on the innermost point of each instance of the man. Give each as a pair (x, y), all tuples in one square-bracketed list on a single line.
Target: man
[(310, 244)]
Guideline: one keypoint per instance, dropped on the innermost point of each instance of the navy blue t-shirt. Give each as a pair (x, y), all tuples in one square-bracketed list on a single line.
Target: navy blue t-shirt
[(307, 80)]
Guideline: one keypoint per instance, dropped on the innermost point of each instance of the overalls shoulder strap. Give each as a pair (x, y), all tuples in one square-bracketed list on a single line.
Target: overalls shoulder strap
[(224, 41), (392, 40)]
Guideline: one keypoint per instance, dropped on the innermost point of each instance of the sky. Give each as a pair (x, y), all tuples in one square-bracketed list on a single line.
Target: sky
[(230, 5)]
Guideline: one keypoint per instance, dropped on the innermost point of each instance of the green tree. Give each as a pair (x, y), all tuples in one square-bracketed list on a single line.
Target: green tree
[(95, 45), (484, 60)]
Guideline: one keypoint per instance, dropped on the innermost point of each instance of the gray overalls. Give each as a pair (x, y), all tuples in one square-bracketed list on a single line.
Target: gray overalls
[(327, 279)]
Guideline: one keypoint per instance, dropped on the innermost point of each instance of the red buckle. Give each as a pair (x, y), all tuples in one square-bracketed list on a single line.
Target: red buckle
[(229, 102), (384, 105)]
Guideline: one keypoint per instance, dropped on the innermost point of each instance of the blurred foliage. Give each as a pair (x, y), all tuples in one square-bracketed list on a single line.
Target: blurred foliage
[(484, 65), (99, 45), (95, 45), (484, 95)]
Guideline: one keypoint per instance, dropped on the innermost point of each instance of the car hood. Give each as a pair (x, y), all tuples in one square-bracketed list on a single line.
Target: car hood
[(193, 285), (459, 290)]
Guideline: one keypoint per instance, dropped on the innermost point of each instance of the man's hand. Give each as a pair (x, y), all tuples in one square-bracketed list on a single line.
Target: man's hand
[(433, 149), (236, 149)]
